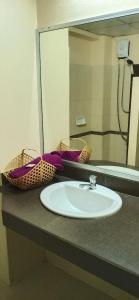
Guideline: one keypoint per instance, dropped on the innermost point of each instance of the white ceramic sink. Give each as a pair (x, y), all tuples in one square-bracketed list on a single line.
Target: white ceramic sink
[(68, 199), (122, 170)]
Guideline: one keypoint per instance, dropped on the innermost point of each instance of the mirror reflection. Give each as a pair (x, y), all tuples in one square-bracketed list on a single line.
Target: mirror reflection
[(90, 88)]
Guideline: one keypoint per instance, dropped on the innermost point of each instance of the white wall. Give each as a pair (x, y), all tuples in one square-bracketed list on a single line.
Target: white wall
[(55, 86), (18, 88), (52, 12), (18, 92)]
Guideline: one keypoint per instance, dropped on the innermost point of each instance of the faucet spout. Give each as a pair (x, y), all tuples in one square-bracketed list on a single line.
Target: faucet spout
[(92, 179), (91, 185)]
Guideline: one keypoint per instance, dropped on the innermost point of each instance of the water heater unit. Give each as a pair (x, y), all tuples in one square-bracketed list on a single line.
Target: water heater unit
[(123, 48)]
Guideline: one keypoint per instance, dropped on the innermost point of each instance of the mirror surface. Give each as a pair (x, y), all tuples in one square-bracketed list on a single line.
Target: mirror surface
[(90, 88)]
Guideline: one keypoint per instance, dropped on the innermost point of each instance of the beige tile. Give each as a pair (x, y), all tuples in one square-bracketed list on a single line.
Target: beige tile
[(95, 142), (106, 122), (123, 121), (117, 149), (106, 148), (81, 79), (79, 108), (80, 50), (96, 123)]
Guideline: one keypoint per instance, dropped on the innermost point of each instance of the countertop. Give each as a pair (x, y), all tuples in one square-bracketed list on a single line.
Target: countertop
[(106, 247)]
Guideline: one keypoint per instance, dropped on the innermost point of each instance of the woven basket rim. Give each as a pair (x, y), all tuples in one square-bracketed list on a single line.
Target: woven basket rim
[(40, 162), (86, 147), (15, 158)]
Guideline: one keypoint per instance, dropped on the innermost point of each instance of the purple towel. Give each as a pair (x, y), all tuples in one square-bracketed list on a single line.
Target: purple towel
[(68, 155), (53, 159)]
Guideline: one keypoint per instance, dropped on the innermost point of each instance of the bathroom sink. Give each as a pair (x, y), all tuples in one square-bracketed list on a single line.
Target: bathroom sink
[(69, 199), (122, 170)]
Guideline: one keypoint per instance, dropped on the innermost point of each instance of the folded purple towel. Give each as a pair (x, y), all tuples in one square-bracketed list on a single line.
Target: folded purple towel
[(68, 155), (52, 159)]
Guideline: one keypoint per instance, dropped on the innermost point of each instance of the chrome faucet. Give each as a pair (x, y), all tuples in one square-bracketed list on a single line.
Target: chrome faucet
[(92, 179), (91, 185)]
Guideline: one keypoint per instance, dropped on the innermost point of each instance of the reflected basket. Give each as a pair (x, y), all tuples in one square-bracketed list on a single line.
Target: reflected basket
[(76, 144), (42, 172)]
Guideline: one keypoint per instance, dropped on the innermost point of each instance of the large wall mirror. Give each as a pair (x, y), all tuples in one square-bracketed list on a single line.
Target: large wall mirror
[(89, 76)]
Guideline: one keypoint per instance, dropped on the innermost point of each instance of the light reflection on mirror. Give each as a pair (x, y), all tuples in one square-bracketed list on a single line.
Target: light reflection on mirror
[(90, 88)]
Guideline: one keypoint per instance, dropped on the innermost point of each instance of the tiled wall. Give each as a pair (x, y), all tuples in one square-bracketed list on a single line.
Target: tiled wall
[(93, 94)]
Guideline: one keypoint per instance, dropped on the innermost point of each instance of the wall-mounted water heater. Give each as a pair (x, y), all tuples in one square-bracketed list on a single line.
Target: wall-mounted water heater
[(123, 48)]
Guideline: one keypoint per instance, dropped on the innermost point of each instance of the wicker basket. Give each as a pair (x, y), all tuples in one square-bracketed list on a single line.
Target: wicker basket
[(42, 172), (85, 151)]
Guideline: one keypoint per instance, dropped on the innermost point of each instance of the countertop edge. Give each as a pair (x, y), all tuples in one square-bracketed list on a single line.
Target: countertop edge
[(120, 278)]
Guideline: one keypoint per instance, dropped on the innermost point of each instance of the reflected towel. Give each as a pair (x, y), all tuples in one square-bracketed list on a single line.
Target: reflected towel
[(68, 155)]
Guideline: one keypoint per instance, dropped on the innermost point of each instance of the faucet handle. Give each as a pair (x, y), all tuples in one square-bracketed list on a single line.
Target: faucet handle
[(92, 179)]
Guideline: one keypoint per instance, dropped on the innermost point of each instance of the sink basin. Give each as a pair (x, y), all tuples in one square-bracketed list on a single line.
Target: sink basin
[(69, 199), (122, 170)]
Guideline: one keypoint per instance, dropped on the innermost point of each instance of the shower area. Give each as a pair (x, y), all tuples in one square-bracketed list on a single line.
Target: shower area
[(100, 93)]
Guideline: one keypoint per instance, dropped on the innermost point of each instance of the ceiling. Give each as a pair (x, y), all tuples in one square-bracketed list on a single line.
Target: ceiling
[(114, 27)]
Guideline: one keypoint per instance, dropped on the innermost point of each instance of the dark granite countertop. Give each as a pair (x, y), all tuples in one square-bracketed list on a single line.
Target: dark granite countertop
[(107, 247)]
